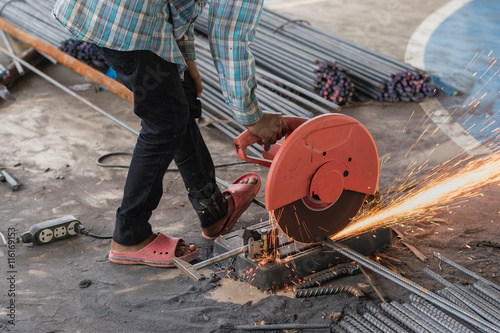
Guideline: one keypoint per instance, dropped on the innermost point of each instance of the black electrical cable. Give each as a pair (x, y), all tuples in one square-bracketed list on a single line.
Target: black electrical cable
[(100, 163), (81, 229)]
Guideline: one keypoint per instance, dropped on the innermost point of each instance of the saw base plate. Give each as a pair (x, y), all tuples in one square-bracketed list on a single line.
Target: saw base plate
[(296, 260)]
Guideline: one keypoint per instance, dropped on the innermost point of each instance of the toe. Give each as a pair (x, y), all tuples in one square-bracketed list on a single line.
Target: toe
[(183, 249), (250, 181)]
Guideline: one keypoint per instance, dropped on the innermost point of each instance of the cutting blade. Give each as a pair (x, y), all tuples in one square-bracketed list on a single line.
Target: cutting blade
[(307, 220)]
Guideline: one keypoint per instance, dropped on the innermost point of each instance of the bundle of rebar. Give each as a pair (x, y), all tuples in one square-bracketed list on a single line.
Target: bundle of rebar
[(34, 17), (467, 306), (291, 49), (83, 51), (333, 83)]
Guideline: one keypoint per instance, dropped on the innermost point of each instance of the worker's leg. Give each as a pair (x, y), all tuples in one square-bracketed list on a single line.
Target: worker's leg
[(197, 169), (160, 102)]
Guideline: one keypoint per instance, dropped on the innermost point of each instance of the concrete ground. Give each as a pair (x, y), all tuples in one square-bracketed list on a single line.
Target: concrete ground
[(50, 142)]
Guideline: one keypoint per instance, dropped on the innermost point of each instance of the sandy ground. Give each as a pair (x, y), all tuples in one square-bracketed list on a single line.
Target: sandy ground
[(50, 143)]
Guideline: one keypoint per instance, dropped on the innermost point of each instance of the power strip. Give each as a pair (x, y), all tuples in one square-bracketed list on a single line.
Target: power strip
[(51, 231)]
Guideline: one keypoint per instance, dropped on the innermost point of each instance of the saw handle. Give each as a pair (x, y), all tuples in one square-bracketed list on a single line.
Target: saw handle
[(246, 139)]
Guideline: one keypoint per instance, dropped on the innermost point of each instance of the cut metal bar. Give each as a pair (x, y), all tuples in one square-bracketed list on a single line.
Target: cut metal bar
[(12, 182), (371, 283), (278, 327), (192, 270), (7, 43)]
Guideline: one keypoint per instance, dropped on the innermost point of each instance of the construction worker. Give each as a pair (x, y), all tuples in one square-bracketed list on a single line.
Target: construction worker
[(150, 45)]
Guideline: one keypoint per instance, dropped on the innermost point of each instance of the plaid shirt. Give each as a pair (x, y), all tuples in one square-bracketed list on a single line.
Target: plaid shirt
[(165, 27)]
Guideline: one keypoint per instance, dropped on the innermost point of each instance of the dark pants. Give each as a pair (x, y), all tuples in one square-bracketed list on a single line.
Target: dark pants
[(167, 108)]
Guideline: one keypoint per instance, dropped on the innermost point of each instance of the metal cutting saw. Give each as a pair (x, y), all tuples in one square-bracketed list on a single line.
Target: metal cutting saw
[(319, 176)]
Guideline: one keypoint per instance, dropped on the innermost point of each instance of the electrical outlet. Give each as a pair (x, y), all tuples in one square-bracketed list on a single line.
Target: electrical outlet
[(52, 230), (60, 232), (72, 228), (45, 236)]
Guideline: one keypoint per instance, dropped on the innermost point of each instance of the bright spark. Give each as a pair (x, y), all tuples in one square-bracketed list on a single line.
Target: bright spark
[(435, 192)]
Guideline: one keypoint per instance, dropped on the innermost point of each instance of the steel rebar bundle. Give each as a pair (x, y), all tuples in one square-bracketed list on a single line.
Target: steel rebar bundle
[(34, 16), (294, 51), (482, 319)]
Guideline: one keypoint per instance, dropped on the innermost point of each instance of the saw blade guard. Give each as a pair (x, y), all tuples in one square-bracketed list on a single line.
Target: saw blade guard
[(320, 159)]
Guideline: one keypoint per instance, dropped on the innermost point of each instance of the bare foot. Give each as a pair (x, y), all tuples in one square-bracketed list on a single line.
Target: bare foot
[(215, 229), (182, 248)]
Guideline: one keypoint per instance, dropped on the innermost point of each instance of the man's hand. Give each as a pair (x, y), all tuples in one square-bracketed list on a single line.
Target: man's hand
[(270, 128), (195, 75)]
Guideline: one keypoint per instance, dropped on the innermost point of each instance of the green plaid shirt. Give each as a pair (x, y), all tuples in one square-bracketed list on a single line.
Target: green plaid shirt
[(165, 27)]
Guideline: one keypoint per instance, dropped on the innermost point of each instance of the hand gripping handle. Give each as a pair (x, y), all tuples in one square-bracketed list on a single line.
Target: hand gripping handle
[(246, 139)]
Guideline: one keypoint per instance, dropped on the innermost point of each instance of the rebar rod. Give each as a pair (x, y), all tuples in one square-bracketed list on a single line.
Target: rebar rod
[(411, 315), (389, 322), (328, 275), (488, 290), (475, 320), (350, 328), (402, 318), (492, 301), (378, 323), (473, 304), (364, 322), (436, 313), (466, 271), (328, 290), (436, 325), (452, 298)]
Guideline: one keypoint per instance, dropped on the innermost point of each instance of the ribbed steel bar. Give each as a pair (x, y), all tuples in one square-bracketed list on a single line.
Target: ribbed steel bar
[(359, 325), (466, 271), (475, 320), (487, 298), (407, 312), (327, 275), (281, 19), (479, 301), (437, 314), (436, 325), (402, 318), (364, 322), (378, 323), (350, 328), (474, 305), (389, 322), (275, 327), (327, 105), (328, 290), (488, 290), (452, 298)]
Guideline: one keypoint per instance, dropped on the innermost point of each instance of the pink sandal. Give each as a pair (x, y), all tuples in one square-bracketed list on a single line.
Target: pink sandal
[(242, 194), (159, 253)]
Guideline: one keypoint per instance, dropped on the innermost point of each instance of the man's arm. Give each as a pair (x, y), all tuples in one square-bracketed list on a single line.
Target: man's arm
[(187, 47), (232, 25)]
